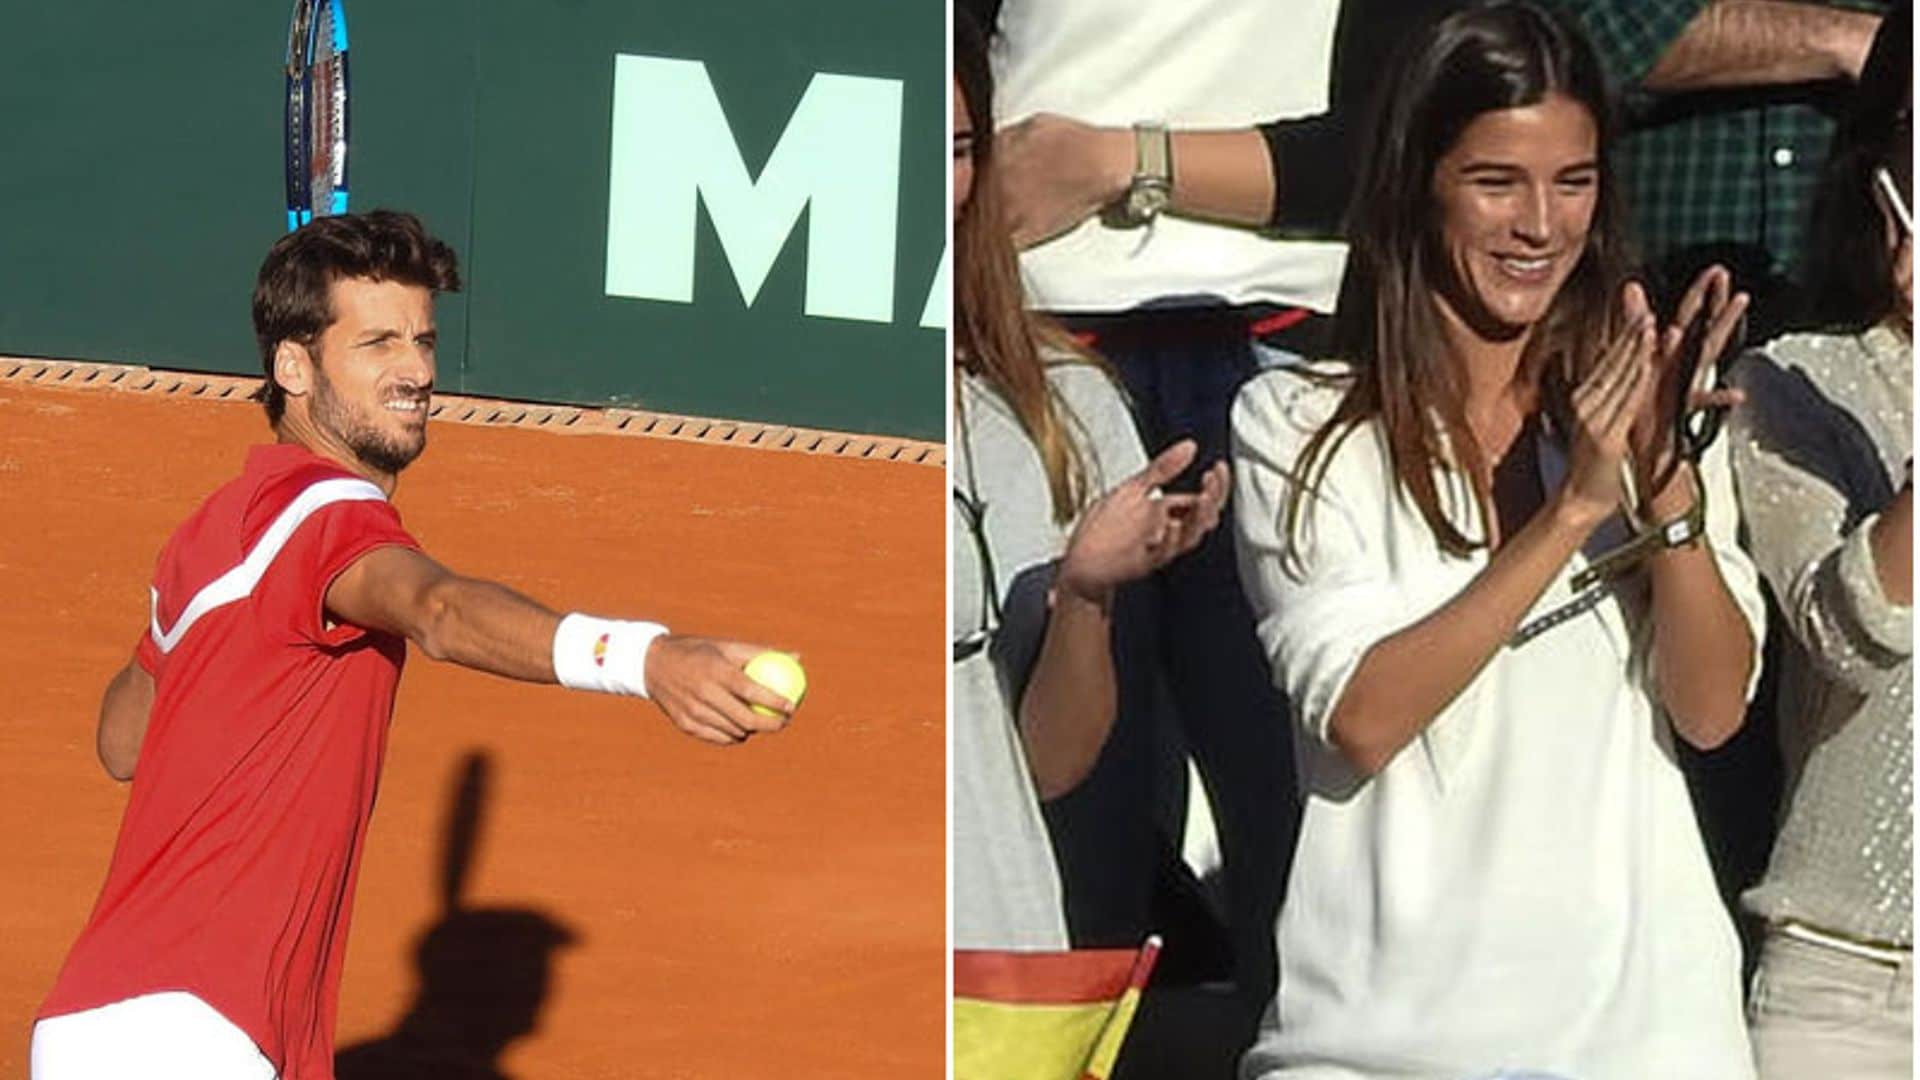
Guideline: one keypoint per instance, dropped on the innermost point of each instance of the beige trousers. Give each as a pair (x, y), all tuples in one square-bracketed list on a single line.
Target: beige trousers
[(1817, 1013)]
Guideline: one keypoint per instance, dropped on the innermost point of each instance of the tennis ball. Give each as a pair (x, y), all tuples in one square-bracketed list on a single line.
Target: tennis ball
[(781, 674)]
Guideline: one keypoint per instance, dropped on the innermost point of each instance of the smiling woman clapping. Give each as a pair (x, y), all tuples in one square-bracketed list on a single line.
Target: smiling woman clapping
[(1496, 583)]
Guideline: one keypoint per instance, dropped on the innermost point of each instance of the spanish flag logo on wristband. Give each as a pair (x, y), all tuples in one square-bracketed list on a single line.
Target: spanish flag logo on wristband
[(600, 650)]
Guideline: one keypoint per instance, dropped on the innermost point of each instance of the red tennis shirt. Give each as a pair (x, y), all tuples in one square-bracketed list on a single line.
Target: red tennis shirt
[(234, 872)]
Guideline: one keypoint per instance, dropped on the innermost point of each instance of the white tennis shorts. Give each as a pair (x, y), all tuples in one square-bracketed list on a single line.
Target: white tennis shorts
[(168, 1036)]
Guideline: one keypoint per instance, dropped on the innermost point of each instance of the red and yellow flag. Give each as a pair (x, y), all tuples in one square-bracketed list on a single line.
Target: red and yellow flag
[(1045, 1015)]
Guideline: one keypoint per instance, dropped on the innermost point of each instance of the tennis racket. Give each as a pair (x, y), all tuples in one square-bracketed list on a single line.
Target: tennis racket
[(316, 111)]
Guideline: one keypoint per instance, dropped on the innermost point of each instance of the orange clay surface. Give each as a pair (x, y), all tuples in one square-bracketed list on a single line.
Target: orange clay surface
[(774, 908)]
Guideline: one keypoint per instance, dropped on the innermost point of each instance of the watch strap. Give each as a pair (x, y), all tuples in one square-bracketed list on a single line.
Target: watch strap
[(1152, 153), (1683, 531), (1151, 187)]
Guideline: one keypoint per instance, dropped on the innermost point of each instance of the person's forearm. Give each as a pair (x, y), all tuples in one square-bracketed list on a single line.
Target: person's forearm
[(487, 626), (1056, 172), (1407, 678), (491, 628), (1070, 699), (1223, 176), (1892, 544), (1703, 648), (1763, 42)]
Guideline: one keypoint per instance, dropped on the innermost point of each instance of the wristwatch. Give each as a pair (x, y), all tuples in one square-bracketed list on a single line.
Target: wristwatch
[(1683, 531), (1151, 188), (1688, 528)]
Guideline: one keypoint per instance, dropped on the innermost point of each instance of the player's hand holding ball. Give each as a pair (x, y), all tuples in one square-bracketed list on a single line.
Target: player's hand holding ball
[(703, 686)]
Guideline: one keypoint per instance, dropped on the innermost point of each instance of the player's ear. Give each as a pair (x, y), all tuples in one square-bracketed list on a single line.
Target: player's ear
[(293, 368)]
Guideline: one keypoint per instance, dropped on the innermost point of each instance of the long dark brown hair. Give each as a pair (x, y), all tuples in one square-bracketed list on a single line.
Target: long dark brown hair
[(994, 336), (1387, 324)]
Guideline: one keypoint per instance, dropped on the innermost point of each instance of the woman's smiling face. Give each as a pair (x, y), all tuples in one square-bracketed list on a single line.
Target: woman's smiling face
[(1515, 195)]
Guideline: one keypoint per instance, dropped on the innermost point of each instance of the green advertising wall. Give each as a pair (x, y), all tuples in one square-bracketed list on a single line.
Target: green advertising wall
[(731, 209)]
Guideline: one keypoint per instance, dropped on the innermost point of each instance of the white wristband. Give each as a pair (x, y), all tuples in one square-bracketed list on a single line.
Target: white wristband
[(606, 655)]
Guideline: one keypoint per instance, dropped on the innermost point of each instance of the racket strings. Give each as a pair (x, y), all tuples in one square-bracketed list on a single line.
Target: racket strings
[(316, 112)]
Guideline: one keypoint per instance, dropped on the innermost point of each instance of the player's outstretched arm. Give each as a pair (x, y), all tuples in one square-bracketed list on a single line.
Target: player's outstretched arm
[(699, 683), (473, 623), (123, 719)]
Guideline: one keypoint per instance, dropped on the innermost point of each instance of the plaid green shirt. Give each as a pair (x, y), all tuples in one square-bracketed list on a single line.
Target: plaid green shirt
[(1725, 175)]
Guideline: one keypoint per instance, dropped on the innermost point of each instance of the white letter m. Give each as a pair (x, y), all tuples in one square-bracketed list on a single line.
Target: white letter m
[(672, 147)]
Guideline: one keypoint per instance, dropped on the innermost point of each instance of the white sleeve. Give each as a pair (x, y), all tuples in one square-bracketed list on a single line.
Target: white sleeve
[(1318, 614)]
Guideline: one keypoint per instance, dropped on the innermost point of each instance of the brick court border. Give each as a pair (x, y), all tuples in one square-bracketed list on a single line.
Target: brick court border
[(488, 412)]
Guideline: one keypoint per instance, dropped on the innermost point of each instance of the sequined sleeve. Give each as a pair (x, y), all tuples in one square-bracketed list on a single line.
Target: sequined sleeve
[(1812, 482)]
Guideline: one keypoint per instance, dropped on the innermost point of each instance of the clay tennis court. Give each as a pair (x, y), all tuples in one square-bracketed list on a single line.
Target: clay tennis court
[(772, 908)]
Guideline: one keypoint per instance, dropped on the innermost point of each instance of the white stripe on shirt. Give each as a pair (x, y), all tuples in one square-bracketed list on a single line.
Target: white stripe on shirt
[(238, 583)]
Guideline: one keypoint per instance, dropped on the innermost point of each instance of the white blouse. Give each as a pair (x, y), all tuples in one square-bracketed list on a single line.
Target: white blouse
[(1523, 887)]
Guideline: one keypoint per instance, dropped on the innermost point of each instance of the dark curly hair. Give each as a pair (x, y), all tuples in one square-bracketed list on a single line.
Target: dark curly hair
[(291, 295)]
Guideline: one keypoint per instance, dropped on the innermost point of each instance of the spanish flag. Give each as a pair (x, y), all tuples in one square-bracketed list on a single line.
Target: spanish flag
[(1045, 1015)]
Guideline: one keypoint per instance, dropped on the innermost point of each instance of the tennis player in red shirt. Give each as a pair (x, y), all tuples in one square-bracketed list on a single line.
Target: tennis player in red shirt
[(257, 701)]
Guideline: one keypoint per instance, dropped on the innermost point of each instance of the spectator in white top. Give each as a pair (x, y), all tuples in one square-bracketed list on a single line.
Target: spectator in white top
[(1498, 866)]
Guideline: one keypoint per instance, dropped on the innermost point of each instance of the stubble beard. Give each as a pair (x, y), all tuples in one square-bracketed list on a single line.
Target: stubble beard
[(358, 433)]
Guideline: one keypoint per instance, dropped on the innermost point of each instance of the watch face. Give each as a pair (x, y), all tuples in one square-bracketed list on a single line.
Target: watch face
[(1146, 200), (1684, 531)]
